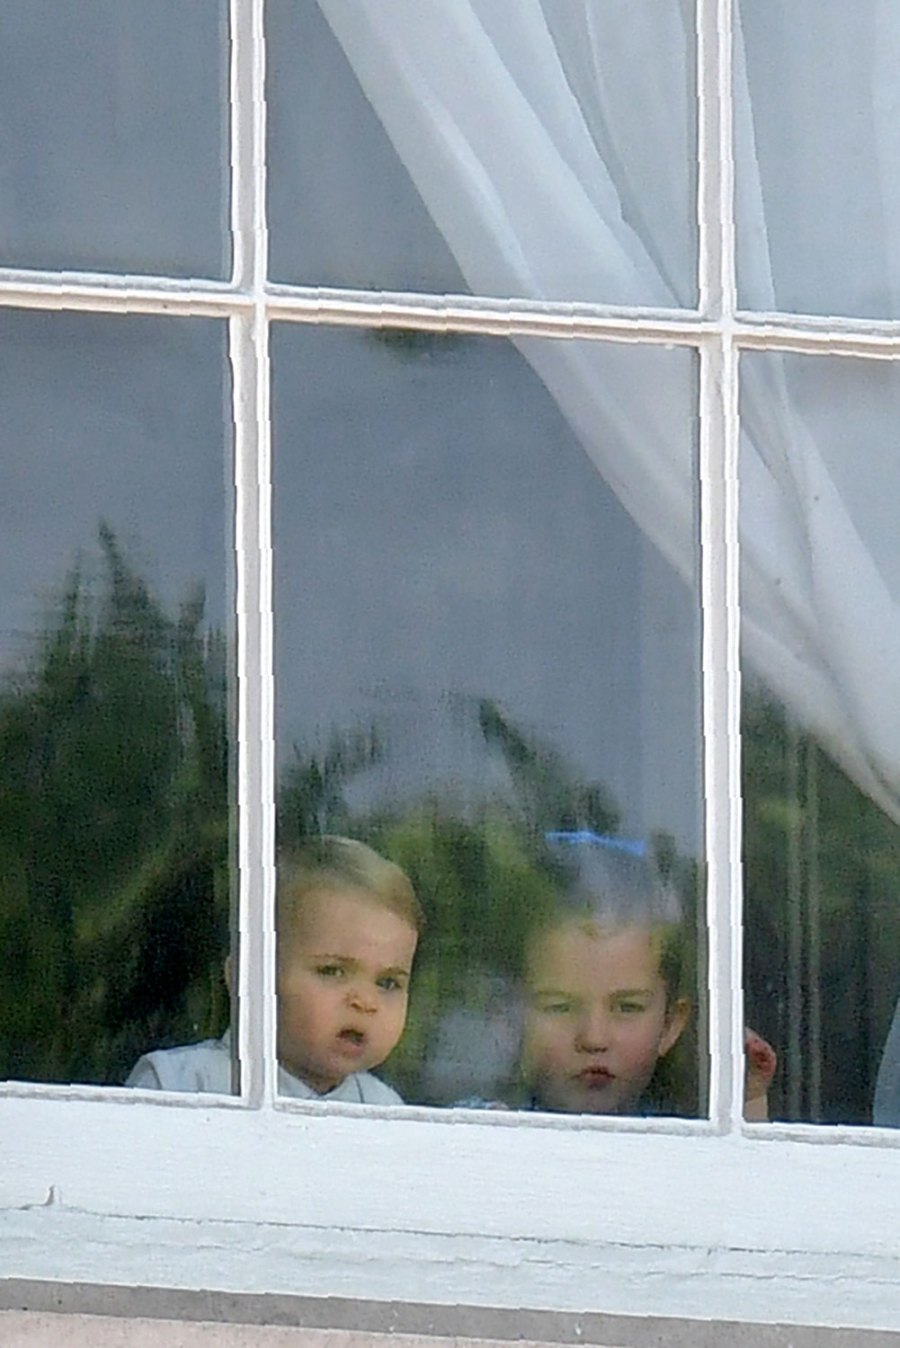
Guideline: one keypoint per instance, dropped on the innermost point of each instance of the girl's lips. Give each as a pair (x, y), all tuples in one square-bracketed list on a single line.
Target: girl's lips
[(595, 1076)]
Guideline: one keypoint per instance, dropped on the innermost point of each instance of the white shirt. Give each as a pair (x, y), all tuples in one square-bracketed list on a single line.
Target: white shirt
[(207, 1067)]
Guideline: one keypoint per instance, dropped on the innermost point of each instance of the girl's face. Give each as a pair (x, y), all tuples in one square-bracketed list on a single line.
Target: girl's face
[(597, 1020)]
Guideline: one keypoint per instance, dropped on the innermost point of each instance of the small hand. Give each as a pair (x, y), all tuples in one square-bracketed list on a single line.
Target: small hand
[(761, 1062)]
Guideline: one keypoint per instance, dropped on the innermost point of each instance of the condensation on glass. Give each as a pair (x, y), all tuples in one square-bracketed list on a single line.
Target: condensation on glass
[(820, 602), (818, 157), (115, 515), (488, 671), (114, 136), (440, 148)]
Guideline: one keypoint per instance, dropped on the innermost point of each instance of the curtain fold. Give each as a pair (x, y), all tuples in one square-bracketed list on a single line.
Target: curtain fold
[(548, 140)]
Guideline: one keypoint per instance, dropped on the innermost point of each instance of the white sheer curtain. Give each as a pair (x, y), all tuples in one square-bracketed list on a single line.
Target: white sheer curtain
[(549, 139)]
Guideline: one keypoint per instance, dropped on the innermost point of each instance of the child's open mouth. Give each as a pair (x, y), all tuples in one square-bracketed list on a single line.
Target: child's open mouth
[(352, 1039)]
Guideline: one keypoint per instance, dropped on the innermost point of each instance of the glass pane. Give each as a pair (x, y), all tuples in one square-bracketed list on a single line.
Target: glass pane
[(488, 674), (818, 156), (544, 150), (820, 478), (114, 136), (114, 670)]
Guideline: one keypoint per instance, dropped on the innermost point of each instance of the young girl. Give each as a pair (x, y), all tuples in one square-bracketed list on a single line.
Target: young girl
[(605, 997)]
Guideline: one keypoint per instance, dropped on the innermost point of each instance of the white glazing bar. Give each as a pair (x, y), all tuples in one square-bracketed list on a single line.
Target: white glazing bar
[(719, 434), (538, 318), (242, 199), (727, 256), (104, 293), (250, 359), (757, 326), (108, 292), (831, 336), (721, 720), (709, 166)]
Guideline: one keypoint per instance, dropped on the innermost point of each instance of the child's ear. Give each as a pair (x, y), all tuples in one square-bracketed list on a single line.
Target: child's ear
[(677, 1017)]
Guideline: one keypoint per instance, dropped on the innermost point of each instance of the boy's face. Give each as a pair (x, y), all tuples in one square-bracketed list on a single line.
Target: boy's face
[(343, 986), (596, 1022)]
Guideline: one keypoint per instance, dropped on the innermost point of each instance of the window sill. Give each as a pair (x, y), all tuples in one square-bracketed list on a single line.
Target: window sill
[(573, 1220)]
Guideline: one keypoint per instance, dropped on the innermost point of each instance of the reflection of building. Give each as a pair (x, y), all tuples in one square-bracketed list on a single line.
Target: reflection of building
[(430, 749), (474, 559)]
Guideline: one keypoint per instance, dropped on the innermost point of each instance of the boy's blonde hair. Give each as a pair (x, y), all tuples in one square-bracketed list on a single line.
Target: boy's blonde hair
[(332, 863)]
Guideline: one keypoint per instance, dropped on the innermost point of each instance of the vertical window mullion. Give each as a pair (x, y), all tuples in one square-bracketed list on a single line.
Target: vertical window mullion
[(253, 534), (719, 436)]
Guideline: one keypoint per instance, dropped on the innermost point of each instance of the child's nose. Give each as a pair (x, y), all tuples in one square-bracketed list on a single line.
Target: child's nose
[(593, 1032), (362, 998)]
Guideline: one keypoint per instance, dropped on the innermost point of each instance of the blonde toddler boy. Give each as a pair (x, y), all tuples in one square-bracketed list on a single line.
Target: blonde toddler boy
[(348, 925)]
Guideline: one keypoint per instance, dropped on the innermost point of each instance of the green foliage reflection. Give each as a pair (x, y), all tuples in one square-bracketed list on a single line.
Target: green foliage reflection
[(113, 832), (822, 925)]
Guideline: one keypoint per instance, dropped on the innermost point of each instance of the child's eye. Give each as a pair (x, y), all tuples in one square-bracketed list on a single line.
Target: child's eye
[(631, 1008), (330, 970), (390, 984), (558, 1008)]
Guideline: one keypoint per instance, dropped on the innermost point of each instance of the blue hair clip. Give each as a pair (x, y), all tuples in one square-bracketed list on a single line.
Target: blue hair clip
[(585, 837)]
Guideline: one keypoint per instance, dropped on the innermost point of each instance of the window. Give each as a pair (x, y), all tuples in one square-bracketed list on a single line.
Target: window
[(511, 241)]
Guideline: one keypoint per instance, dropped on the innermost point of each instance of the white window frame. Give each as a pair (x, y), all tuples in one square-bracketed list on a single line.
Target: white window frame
[(710, 1219)]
